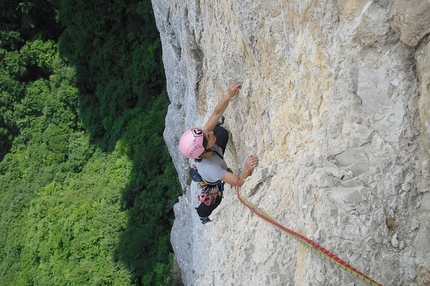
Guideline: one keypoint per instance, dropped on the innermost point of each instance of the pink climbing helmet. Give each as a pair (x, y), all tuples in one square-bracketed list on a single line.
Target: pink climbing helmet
[(191, 143)]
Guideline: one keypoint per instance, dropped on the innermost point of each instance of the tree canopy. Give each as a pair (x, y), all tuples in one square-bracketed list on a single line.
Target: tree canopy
[(87, 185)]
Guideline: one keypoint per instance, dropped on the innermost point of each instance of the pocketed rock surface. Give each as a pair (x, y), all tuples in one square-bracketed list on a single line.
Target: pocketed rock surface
[(336, 104)]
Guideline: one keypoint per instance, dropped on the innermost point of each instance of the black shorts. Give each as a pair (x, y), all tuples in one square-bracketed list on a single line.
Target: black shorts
[(204, 211)]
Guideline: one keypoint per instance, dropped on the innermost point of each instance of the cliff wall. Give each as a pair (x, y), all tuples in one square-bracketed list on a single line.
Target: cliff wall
[(336, 104)]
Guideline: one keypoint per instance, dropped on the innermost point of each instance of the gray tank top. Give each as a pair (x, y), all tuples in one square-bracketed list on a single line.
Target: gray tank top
[(214, 168)]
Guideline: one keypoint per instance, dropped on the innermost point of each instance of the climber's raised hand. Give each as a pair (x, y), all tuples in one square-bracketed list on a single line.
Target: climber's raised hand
[(251, 163), (234, 88), (249, 167)]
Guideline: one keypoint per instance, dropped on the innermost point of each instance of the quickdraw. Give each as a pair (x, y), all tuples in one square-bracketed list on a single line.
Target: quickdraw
[(309, 244)]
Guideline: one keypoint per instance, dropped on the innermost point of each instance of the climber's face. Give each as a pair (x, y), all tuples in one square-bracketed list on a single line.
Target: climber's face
[(210, 137)]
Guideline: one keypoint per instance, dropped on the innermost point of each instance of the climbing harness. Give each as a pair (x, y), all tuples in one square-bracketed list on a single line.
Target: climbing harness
[(210, 191), (309, 244)]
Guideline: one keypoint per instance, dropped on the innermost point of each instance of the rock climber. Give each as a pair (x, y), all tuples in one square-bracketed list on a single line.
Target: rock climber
[(207, 146)]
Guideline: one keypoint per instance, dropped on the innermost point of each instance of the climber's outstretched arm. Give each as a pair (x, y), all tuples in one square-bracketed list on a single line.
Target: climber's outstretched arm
[(233, 90)]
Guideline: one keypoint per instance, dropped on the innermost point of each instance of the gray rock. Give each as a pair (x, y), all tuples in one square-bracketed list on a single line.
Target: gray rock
[(335, 102)]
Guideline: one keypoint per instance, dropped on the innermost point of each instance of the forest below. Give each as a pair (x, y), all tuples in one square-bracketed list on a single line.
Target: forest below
[(87, 185)]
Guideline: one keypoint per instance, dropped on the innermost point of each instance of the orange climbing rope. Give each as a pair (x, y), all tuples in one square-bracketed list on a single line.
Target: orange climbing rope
[(309, 244)]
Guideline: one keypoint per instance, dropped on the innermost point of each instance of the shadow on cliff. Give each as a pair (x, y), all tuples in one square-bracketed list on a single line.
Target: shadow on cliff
[(116, 50)]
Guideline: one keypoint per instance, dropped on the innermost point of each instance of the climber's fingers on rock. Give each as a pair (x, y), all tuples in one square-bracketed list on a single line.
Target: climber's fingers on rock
[(235, 86), (253, 161)]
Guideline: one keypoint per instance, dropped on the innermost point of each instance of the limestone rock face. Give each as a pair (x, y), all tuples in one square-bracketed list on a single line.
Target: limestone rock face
[(411, 19), (335, 102)]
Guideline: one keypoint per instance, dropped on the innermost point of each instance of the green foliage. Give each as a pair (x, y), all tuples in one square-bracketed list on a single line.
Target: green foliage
[(117, 52), (86, 183), (147, 199), (79, 151), (73, 226), (32, 104), (25, 87), (10, 39), (29, 19)]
